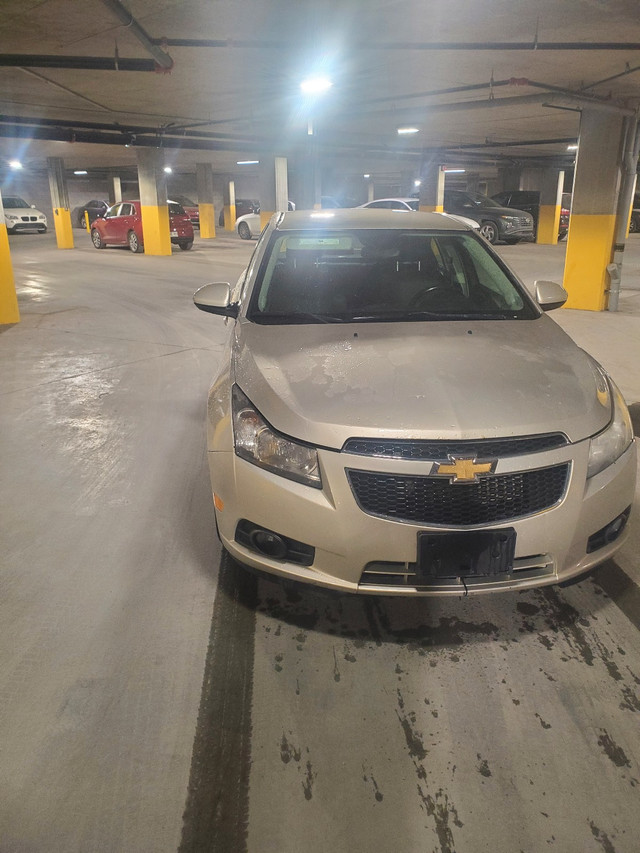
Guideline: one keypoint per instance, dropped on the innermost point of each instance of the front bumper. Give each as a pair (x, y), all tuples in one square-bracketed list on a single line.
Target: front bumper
[(351, 546)]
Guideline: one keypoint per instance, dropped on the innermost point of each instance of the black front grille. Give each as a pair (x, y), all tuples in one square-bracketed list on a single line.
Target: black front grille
[(439, 451), (433, 500)]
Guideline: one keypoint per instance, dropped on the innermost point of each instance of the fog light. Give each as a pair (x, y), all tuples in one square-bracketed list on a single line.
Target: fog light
[(268, 543), (608, 534)]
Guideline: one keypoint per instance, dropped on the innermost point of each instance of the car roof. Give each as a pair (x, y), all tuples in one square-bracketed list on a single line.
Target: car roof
[(364, 217)]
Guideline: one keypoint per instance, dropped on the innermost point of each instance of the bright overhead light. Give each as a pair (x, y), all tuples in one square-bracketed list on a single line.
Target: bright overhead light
[(168, 170), (80, 172), (408, 130), (366, 176), (15, 164), (572, 147), (247, 162), (315, 85), (417, 183), (455, 171)]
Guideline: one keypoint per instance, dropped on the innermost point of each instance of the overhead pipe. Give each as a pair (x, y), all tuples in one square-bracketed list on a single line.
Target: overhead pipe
[(85, 63), (409, 45), (125, 17)]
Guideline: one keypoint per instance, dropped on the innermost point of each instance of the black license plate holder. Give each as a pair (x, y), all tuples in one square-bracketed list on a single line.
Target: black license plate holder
[(466, 554)]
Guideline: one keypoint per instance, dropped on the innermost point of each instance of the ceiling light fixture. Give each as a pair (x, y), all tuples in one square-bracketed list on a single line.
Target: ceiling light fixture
[(405, 130), (366, 176), (168, 170), (315, 85), (247, 162), (572, 147), (455, 171), (80, 172), (15, 164)]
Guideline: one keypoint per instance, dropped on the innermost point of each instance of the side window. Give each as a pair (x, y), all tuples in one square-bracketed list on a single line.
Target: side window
[(113, 211), (126, 210), (377, 204)]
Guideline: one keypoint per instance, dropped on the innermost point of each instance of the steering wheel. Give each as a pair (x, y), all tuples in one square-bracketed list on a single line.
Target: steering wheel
[(416, 301)]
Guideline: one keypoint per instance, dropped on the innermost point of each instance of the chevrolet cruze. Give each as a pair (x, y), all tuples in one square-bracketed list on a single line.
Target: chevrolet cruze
[(396, 414)]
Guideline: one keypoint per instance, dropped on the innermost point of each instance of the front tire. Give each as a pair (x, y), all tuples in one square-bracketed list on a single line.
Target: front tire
[(96, 239), (244, 231), (134, 244), (634, 225), (489, 231), (185, 245)]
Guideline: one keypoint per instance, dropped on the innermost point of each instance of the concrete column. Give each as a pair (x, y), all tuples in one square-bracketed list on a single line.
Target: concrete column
[(274, 193), (509, 178), (370, 190), (152, 182), (432, 188), (115, 189), (60, 203), (9, 312), (591, 242), (229, 197), (550, 187), (204, 180), (309, 170)]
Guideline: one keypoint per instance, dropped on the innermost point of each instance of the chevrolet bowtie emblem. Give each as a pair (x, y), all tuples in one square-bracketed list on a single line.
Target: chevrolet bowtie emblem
[(463, 470)]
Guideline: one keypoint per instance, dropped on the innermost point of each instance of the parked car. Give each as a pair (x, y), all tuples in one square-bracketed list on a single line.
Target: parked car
[(634, 222), (396, 414), (497, 223), (529, 201), (243, 206), (21, 216), (412, 203), (190, 208), (248, 226), (95, 207), (122, 226)]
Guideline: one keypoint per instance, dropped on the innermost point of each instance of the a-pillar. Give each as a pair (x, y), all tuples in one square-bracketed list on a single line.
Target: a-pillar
[(432, 188), (274, 192), (60, 203), (9, 312), (550, 186), (229, 204), (592, 227), (204, 180), (152, 182)]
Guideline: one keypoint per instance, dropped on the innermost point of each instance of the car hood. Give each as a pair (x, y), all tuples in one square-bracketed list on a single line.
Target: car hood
[(23, 211), (503, 211), (326, 383)]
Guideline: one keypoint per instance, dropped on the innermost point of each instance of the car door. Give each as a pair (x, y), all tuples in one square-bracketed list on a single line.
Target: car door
[(126, 222), (110, 226)]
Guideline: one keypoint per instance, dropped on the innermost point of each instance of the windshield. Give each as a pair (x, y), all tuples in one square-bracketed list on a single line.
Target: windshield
[(383, 276), (479, 200), (14, 202), (176, 209)]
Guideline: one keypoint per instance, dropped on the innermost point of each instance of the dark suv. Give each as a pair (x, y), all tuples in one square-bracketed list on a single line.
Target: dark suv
[(496, 222), (529, 201)]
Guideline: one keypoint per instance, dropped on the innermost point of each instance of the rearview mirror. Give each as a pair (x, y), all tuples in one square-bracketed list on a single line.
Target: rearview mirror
[(216, 299), (550, 295)]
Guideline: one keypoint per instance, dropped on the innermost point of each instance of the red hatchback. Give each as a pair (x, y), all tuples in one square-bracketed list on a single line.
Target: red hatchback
[(121, 225)]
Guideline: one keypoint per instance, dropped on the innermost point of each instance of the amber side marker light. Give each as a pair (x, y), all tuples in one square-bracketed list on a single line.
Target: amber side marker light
[(218, 503)]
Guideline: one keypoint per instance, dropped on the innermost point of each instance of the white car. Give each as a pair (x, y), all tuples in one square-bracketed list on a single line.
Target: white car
[(21, 216), (248, 226), (411, 203)]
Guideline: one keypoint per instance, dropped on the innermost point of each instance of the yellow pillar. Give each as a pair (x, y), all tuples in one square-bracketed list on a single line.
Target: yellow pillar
[(432, 176), (153, 201), (265, 216), (60, 203), (9, 312), (592, 227), (64, 229), (204, 179), (549, 183), (229, 198), (548, 223)]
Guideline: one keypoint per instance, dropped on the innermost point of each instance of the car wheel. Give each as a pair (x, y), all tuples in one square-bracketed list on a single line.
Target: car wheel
[(134, 244), (185, 244), (96, 239), (489, 231), (633, 225), (81, 222), (244, 231)]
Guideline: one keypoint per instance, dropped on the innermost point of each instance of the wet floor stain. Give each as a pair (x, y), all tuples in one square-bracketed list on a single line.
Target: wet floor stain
[(615, 753), (483, 766)]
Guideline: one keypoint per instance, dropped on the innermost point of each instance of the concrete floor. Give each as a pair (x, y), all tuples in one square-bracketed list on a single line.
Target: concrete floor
[(155, 699)]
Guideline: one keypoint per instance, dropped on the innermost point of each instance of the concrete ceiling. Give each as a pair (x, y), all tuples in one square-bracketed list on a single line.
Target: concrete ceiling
[(392, 62)]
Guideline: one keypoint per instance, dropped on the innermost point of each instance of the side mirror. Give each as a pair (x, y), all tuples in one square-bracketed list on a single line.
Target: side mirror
[(550, 295), (216, 299)]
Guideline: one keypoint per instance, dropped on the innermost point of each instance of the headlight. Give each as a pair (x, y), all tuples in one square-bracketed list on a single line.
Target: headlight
[(11, 217), (42, 216), (612, 442), (255, 441)]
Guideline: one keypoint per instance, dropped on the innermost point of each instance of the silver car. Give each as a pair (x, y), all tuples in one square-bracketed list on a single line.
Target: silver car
[(395, 414)]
